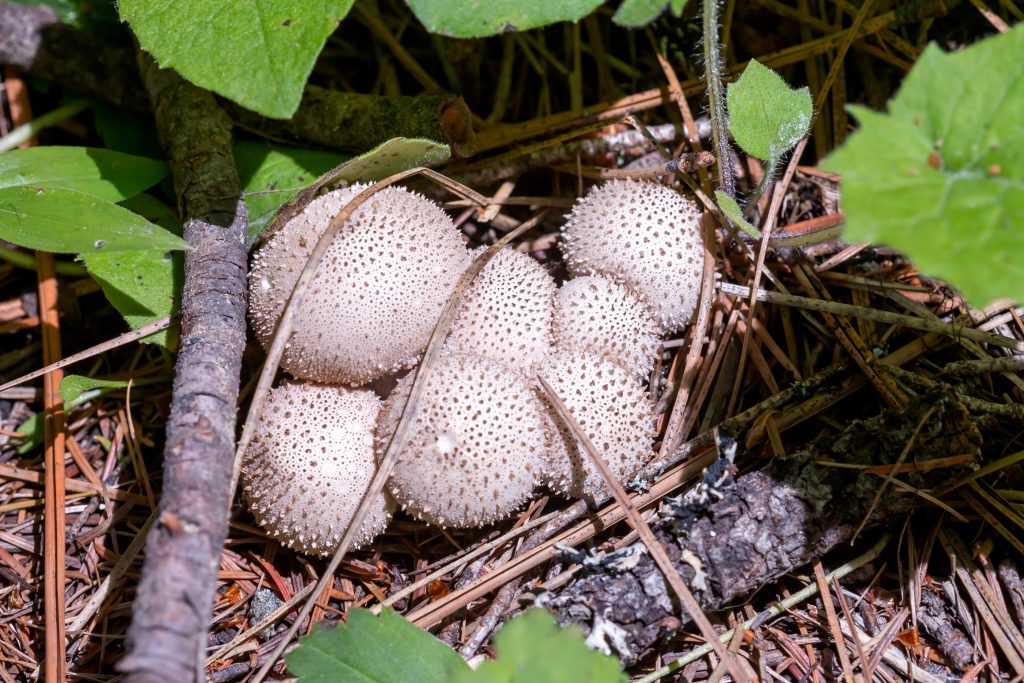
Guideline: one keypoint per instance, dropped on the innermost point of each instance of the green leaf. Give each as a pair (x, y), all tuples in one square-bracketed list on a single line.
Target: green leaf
[(369, 649), (733, 212), (271, 175), (464, 19), (767, 117), (73, 386), (126, 131), (637, 13), (258, 53), (533, 649), (144, 286), (100, 173), (941, 176), (387, 159), (65, 221)]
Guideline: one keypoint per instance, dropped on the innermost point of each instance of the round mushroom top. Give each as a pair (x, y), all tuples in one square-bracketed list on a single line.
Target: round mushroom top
[(374, 300), (644, 235), (507, 313), (477, 445), (614, 410), (593, 313), (310, 464)]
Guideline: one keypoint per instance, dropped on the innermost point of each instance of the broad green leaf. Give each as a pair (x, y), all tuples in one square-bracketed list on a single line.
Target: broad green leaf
[(941, 176), (767, 117), (64, 221), (258, 53), (734, 213), (387, 159), (271, 175), (637, 13), (73, 386), (533, 649), (465, 19), (101, 173), (144, 286), (369, 649)]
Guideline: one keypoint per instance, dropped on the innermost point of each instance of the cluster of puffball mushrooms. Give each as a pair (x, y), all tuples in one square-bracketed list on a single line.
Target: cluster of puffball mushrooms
[(485, 436)]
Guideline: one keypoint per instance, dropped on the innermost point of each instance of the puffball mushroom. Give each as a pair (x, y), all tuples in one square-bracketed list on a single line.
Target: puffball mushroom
[(614, 410), (377, 293), (507, 312), (644, 235), (310, 464), (595, 314), (477, 445)]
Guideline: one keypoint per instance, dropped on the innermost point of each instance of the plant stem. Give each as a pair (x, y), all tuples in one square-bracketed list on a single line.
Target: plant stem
[(20, 259), (716, 101), (27, 131), (766, 179)]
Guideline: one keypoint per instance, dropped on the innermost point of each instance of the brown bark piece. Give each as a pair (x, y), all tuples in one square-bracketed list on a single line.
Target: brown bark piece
[(175, 595), (770, 522)]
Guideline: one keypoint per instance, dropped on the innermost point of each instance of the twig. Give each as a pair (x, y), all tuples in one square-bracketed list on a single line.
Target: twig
[(174, 598)]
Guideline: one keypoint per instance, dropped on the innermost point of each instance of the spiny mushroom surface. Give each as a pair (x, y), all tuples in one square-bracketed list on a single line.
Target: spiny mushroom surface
[(310, 464), (593, 313), (477, 445), (507, 313), (613, 409), (377, 293), (644, 235)]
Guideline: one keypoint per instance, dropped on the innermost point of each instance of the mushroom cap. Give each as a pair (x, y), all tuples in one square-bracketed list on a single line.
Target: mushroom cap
[(613, 409), (310, 464), (477, 446), (377, 293), (644, 235), (507, 312), (593, 313)]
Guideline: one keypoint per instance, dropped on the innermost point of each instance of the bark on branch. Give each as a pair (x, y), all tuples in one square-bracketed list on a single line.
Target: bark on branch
[(32, 37), (173, 604), (770, 522)]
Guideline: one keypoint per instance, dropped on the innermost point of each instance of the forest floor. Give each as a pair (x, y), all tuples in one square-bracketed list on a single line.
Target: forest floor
[(899, 572)]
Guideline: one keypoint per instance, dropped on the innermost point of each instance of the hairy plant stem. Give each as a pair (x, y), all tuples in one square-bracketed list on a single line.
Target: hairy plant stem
[(716, 100), (766, 179)]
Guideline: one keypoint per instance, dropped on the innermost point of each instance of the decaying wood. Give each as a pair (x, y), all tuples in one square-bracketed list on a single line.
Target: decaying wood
[(769, 522), (174, 599), (32, 37)]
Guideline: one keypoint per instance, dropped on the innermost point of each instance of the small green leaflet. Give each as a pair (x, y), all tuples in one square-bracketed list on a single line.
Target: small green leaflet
[(258, 53), (73, 386), (637, 13), (767, 117), (100, 173), (533, 649), (941, 176), (387, 159), (65, 221), (272, 174), (733, 212), (462, 19), (369, 649)]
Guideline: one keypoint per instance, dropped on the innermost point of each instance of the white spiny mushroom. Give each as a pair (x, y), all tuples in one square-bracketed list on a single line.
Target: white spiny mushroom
[(614, 410), (477, 445), (593, 313), (310, 464), (507, 313), (644, 235), (377, 293)]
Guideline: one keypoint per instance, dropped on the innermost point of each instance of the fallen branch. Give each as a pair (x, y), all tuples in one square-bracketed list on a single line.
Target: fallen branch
[(32, 37), (174, 599), (768, 523)]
